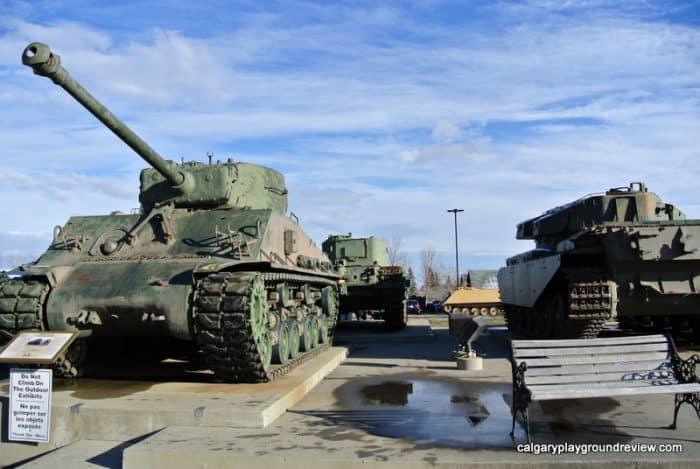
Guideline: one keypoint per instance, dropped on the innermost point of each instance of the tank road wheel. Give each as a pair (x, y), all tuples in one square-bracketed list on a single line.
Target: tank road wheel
[(309, 338), (315, 331), (329, 306), (280, 351), (323, 330), (294, 339), (259, 320)]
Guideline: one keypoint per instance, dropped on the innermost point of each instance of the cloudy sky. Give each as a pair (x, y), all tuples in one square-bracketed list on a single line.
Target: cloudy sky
[(380, 115)]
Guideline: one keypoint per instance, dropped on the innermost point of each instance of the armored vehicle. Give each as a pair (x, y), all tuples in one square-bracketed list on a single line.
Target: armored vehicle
[(475, 301), (211, 260), (623, 255), (479, 297), (373, 287)]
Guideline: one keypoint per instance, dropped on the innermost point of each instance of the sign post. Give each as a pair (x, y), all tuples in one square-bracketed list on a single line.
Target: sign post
[(30, 405)]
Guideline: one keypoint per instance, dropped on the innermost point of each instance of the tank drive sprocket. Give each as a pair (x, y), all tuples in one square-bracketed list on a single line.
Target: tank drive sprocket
[(240, 335)]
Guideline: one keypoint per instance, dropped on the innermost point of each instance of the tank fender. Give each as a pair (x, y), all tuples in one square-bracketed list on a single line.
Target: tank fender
[(53, 274), (523, 283), (212, 267)]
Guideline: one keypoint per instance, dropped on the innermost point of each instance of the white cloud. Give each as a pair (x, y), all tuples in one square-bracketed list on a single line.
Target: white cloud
[(380, 120), (446, 131)]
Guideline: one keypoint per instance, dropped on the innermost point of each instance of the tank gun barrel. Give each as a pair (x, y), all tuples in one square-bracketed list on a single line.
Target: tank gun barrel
[(39, 57)]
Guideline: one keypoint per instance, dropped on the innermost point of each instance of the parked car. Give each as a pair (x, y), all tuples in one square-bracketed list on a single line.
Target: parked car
[(413, 307), (433, 306)]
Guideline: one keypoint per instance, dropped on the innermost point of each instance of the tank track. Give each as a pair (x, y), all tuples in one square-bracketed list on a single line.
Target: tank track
[(22, 309), (225, 325), (590, 304), (395, 317), (21, 306), (586, 305)]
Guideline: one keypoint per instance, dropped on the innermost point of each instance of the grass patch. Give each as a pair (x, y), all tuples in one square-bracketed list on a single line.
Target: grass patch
[(438, 322)]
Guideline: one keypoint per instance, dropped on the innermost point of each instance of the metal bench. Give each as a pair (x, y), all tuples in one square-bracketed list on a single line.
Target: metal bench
[(609, 367)]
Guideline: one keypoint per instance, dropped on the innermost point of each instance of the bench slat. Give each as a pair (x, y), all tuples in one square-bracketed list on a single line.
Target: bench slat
[(641, 365), (638, 339), (599, 377), (594, 359), (635, 383), (563, 351), (609, 392)]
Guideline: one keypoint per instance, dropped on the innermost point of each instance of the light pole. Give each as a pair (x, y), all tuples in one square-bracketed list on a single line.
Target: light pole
[(456, 211)]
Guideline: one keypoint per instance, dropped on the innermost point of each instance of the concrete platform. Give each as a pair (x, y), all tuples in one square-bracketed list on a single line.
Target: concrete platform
[(393, 404), (370, 331), (390, 405), (115, 410)]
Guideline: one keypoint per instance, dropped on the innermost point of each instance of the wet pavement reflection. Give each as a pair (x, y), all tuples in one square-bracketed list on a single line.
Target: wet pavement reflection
[(428, 411)]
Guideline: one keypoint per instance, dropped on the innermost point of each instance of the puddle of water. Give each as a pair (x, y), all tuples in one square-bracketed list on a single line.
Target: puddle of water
[(431, 412), (434, 411), (390, 393)]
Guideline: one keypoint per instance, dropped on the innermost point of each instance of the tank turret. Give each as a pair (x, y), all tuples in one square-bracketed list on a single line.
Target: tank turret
[(190, 185), (356, 251), (631, 204)]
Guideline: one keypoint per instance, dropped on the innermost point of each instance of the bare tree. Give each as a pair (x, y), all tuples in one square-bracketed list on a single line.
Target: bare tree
[(396, 257), (427, 260)]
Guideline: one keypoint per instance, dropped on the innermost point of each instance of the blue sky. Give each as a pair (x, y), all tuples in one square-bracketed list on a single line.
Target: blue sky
[(380, 115)]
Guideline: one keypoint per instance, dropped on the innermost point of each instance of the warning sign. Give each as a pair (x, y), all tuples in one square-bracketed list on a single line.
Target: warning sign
[(30, 405)]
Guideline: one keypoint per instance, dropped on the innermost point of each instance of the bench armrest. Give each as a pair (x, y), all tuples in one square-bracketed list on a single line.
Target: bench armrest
[(685, 369), (521, 394)]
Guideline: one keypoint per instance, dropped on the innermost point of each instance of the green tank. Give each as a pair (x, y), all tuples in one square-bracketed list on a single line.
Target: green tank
[(373, 286), (209, 264), (624, 255)]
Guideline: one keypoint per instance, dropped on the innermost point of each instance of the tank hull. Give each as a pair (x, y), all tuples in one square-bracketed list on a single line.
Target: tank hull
[(124, 276), (643, 275)]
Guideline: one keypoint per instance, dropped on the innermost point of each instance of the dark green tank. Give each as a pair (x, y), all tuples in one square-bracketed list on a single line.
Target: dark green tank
[(624, 255), (211, 261), (373, 287)]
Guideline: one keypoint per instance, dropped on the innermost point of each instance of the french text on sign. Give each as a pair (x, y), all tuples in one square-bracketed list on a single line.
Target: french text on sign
[(30, 405)]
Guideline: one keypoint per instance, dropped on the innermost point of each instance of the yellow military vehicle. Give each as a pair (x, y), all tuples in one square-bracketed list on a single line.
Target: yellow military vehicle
[(475, 301)]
